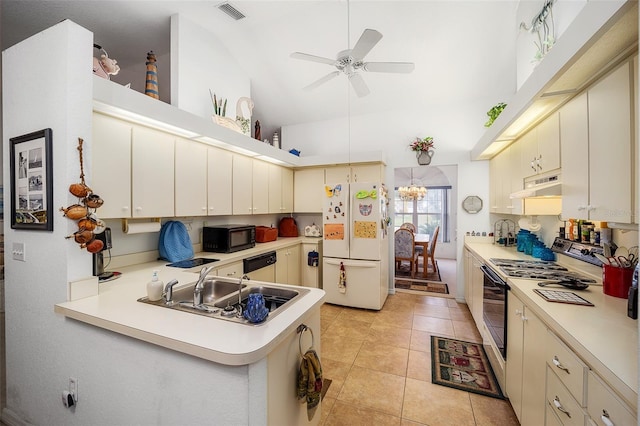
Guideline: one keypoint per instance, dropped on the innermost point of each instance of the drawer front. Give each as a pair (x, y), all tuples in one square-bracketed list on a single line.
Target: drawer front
[(569, 368), (602, 402), (233, 270), (551, 419), (562, 403)]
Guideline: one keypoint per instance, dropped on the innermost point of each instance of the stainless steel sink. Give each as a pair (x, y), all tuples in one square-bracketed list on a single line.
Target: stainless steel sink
[(220, 299)]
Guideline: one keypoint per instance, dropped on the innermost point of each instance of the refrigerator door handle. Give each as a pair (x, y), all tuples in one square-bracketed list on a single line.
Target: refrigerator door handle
[(359, 264)]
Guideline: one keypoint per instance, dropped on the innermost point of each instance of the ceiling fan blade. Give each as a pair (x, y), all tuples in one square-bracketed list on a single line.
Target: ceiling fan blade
[(312, 58), (397, 67), (322, 80), (359, 86), (365, 43)]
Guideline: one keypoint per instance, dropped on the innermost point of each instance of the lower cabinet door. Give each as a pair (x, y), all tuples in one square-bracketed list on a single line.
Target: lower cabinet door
[(561, 402)]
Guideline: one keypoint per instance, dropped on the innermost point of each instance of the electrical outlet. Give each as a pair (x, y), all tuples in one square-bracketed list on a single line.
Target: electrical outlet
[(73, 387), (18, 252)]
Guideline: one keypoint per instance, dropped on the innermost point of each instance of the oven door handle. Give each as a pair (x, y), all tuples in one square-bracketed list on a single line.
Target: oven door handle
[(493, 277)]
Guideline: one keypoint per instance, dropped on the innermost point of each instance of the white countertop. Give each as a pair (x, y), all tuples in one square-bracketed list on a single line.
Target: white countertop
[(116, 308), (602, 335)]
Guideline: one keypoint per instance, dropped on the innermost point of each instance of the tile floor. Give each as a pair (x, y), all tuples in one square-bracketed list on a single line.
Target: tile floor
[(380, 364)]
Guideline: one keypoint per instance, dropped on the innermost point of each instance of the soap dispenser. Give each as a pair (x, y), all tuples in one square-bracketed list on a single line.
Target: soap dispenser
[(154, 288)]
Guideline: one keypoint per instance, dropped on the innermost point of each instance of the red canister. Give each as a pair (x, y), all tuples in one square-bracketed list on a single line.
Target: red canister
[(616, 281)]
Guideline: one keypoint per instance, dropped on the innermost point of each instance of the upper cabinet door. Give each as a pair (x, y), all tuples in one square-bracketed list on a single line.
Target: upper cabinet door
[(574, 133), (275, 188), (219, 182), (111, 166), (529, 153), (308, 188), (260, 187), (287, 190), (191, 178), (367, 173), (242, 185), (549, 143), (610, 150), (338, 174), (152, 168)]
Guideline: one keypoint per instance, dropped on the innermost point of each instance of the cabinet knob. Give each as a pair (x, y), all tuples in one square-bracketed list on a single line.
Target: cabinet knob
[(518, 313), (605, 418), (558, 404), (230, 274), (125, 208), (558, 364), (138, 209)]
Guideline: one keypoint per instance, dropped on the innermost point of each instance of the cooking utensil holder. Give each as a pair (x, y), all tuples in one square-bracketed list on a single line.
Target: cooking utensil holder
[(616, 281)]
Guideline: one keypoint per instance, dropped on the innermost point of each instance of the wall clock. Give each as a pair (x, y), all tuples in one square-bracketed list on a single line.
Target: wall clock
[(472, 204)]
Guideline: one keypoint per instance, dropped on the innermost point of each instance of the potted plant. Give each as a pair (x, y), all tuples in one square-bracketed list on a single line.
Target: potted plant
[(424, 149), (493, 113)]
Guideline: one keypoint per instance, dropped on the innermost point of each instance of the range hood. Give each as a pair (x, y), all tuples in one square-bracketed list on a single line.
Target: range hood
[(540, 186)]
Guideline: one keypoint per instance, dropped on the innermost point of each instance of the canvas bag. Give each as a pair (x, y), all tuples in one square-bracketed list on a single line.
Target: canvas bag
[(174, 244)]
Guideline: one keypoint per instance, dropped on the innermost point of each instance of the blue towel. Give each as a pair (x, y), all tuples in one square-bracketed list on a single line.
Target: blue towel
[(174, 244)]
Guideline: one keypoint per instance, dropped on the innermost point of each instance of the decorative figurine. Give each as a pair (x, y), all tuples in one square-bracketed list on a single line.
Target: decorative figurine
[(257, 134), (151, 83)]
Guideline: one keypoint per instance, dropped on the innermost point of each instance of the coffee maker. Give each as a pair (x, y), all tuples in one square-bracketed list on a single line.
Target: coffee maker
[(98, 258)]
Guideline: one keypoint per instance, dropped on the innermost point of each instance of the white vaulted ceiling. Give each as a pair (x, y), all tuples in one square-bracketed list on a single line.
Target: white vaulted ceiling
[(456, 46)]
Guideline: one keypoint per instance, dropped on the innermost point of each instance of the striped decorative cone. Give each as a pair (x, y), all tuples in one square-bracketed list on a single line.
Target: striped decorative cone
[(151, 84)]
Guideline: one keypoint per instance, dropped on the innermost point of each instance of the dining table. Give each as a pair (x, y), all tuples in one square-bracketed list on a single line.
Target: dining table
[(422, 240)]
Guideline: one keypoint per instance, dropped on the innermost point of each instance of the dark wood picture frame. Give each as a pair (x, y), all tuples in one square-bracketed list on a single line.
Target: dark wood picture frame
[(32, 181)]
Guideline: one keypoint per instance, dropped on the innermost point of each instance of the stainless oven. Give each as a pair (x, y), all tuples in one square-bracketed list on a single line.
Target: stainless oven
[(494, 308)]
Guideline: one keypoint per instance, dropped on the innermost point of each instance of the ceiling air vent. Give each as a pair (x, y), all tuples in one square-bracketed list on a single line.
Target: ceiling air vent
[(231, 11)]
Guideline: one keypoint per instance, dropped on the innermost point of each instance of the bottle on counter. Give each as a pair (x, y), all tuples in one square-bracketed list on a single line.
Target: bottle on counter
[(155, 288), (572, 229)]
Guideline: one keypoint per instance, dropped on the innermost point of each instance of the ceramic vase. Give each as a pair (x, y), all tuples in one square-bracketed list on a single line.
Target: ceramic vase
[(256, 311), (424, 157)]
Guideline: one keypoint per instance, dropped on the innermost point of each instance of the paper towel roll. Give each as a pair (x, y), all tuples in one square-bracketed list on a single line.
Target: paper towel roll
[(140, 227)]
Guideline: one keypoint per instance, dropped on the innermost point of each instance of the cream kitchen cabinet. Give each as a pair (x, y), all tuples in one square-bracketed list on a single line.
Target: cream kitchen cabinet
[(152, 173), (506, 178), (232, 270), (597, 150), (280, 189), (604, 407), (574, 132), (110, 165), (288, 265), (541, 147), (219, 182), (308, 190), (311, 275), (476, 287), (611, 160), (468, 273), (525, 364), (250, 186), (191, 178), (355, 173)]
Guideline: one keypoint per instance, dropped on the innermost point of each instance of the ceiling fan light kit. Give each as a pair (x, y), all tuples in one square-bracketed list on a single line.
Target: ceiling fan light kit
[(351, 61)]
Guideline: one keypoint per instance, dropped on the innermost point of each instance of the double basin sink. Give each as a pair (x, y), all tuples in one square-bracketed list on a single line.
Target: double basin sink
[(220, 299)]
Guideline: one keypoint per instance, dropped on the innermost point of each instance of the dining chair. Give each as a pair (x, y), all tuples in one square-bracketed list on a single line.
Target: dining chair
[(405, 250), (431, 250), (408, 225)]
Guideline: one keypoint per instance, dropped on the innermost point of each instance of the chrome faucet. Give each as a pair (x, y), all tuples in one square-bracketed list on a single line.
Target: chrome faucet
[(197, 291), (168, 291), (244, 277)]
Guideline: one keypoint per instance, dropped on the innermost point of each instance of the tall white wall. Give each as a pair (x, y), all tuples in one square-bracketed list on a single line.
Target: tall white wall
[(199, 62), (121, 380)]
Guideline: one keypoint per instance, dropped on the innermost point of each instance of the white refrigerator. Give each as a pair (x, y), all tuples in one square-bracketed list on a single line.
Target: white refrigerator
[(355, 265)]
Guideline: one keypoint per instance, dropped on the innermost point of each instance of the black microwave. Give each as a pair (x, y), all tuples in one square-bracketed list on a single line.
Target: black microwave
[(228, 238)]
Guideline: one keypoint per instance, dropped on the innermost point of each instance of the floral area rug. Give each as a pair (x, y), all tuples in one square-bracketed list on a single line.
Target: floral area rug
[(432, 283), (462, 365)]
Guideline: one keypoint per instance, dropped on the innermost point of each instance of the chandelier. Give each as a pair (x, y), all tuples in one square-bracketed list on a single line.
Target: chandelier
[(412, 192)]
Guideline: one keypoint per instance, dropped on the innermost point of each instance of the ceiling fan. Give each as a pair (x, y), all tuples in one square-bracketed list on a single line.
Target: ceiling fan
[(350, 61)]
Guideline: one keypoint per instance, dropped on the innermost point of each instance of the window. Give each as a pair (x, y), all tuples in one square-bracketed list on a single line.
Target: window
[(433, 210)]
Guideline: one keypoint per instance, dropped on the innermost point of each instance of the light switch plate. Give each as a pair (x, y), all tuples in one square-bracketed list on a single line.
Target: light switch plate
[(18, 252)]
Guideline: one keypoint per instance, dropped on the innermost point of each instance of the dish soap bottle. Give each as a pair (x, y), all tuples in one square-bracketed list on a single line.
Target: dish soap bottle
[(154, 288)]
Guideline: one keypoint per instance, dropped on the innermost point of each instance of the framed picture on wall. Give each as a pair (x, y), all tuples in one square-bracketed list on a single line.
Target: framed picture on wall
[(32, 181)]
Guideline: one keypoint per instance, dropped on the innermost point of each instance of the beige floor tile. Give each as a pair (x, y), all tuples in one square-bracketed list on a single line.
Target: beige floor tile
[(340, 348), (390, 335), (429, 310), (405, 422), (436, 405), (400, 319), (432, 300), (464, 330), (460, 314), (329, 310), (373, 390), (344, 414), (349, 328), (420, 341), (337, 371), (327, 406), (384, 358), (438, 326), (419, 366), (492, 411), (362, 315), (399, 302)]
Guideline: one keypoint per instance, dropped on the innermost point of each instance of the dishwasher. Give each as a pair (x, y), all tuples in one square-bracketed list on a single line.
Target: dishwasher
[(261, 267)]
